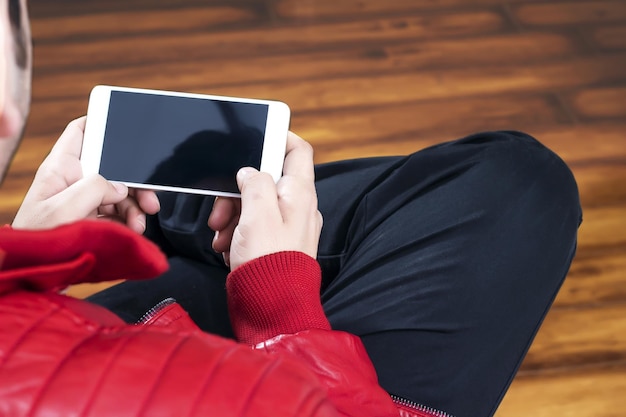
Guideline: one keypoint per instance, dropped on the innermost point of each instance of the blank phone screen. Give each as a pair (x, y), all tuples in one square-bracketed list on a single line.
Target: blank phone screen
[(180, 141)]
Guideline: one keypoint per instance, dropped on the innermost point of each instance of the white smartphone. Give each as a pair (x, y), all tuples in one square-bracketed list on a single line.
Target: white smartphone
[(173, 141)]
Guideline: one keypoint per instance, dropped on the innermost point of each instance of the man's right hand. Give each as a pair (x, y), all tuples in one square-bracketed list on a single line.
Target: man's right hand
[(270, 217)]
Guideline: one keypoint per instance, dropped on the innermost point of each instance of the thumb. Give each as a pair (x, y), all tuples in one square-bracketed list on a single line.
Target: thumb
[(243, 175), (82, 198), (258, 195)]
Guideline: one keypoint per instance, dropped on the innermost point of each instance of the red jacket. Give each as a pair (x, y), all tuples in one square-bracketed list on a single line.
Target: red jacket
[(60, 356)]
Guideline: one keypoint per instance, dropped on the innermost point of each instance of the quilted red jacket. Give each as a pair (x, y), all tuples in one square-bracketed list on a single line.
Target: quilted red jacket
[(60, 356)]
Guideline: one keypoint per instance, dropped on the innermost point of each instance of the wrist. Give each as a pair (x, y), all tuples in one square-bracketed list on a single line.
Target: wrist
[(275, 294)]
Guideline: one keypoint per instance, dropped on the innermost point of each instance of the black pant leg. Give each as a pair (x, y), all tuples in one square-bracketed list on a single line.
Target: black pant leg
[(196, 278), (196, 286), (447, 262)]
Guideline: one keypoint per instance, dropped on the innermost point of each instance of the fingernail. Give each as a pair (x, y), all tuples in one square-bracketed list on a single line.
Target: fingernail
[(158, 203), (244, 172), (141, 219)]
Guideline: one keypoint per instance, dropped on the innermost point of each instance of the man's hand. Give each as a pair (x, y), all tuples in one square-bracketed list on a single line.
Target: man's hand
[(59, 193), (270, 217)]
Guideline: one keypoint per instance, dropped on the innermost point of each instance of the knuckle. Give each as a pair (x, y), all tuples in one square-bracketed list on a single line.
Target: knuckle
[(298, 193), (319, 219), (95, 180), (298, 142), (253, 193), (256, 180), (307, 147), (76, 123)]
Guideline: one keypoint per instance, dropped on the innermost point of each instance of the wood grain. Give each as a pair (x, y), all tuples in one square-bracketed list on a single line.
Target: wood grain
[(329, 9), (571, 337), (600, 103), (609, 38), (369, 78), (594, 391), (571, 12), (514, 48), (258, 40)]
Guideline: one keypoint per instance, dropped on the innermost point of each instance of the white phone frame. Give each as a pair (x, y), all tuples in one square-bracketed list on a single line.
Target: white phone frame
[(274, 143)]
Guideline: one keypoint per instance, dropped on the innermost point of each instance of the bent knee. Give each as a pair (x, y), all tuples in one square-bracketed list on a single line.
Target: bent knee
[(517, 164)]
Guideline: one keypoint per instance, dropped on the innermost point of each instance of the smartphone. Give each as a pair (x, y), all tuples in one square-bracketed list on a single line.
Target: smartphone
[(183, 142)]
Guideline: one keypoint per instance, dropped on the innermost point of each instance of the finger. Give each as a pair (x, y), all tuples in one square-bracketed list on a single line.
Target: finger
[(223, 219), (297, 199), (226, 257), (224, 237), (130, 213), (85, 196), (147, 200), (299, 158), (61, 168), (320, 221), (223, 211), (259, 198), (71, 140), (110, 210)]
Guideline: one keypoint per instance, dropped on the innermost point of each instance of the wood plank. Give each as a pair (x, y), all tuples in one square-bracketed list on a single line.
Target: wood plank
[(32, 152), (405, 128), (597, 142), (598, 279), (115, 24), (570, 12), (438, 84), (517, 48), (609, 37), (601, 141), (262, 41), (46, 8), (296, 9), (602, 182), (599, 103), (11, 201), (571, 337), (603, 227), (50, 118), (594, 392)]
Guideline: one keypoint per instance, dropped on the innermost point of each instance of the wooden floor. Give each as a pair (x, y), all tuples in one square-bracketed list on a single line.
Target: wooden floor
[(373, 77)]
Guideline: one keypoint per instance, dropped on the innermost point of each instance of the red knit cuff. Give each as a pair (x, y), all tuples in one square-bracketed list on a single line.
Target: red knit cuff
[(275, 294)]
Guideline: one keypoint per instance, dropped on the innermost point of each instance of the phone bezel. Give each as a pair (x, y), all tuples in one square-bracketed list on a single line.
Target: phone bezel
[(274, 143)]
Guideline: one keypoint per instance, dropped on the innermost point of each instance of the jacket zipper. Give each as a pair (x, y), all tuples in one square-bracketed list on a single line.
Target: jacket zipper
[(154, 310), (418, 407)]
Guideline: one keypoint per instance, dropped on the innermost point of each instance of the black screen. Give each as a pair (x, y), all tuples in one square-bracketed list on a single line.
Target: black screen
[(180, 141)]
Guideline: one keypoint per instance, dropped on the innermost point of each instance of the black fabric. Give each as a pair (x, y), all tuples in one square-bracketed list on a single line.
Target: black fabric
[(444, 262)]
